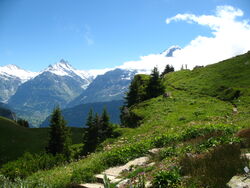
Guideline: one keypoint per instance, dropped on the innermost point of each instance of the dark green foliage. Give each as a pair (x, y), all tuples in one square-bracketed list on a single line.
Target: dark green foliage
[(166, 179), (90, 135), (98, 129), (155, 86), (30, 163), (215, 168), (136, 94), (244, 134), (23, 123), (106, 128), (129, 118), (168, 69), (137, 90), (83, 175), (59, 140), (228, 94)]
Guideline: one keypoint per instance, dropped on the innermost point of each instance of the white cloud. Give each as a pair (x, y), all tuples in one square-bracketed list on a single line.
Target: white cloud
[(230, 37)]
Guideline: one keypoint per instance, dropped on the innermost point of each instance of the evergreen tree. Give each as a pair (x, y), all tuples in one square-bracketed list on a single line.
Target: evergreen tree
[(59, 139), (136, 92), (155, 86), (106, 127), (96, 131), (23, 123), (132, 95), (167, 70), (91, 133)]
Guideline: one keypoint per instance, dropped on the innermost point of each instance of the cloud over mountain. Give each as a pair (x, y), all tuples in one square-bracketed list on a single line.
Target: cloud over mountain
[(229, 37)]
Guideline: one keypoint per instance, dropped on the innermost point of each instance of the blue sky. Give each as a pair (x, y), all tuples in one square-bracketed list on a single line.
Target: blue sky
[(95, 34)]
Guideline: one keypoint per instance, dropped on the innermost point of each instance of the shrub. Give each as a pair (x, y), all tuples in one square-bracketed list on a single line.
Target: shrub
[(123, 154), (245, 135), (164, 140), (168, 152), (228, 94), (83, 175), (166, 179), (8, 183), (215, 168), (30, 163)]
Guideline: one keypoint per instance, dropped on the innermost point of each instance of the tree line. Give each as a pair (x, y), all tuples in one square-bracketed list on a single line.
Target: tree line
[(98, 127), (96, 130), (142, 88)]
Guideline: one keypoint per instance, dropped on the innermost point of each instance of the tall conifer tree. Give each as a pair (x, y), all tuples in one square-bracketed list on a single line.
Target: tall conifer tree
[(155, 86), (59, 139)]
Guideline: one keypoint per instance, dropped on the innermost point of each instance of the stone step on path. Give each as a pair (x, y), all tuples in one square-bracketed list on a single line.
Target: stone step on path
[(239, 182), (91, 185), (114, 172), (112, 179)]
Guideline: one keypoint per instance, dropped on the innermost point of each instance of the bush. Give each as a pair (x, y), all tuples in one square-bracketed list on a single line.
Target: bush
[(126, 153), (30, 163), (228, 94), (8, 183), (166, 179), (83, 175), (168, 152), (215, 168), (245, 135)]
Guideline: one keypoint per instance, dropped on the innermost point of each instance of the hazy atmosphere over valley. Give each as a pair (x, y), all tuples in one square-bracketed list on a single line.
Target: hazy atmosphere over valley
[(107, 93)]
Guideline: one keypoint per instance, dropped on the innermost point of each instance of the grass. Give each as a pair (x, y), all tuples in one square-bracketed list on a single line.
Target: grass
[(16, 140), (196, 119)]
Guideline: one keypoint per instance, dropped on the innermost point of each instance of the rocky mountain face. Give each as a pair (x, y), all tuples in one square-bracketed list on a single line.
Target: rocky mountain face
[(169, 52), (34, 95), (110, 86), (11, 77), (56, 85)]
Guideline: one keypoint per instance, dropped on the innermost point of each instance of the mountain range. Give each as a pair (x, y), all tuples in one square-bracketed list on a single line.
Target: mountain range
[(33, 95)]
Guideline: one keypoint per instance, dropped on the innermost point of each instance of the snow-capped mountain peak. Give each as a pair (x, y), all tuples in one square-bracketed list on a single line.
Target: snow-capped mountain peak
[(62, 68), (15, 71), (169, 52)]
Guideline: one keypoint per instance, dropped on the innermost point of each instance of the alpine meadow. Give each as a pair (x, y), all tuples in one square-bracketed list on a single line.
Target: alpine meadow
[(175, 118)]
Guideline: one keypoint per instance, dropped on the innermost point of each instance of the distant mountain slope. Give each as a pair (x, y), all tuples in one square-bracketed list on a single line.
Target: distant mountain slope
[(15, 140), (56, 85), (6, 112), (110, 86), (76, 116), (11, 77), (113, 84)]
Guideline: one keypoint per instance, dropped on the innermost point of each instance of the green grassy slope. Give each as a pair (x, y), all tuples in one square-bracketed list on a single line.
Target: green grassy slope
[(15, 140), (210, 80), (199, 99)]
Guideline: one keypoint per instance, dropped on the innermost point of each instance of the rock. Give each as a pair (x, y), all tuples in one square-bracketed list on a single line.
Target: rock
[(239, 182), (151, 164), (92, 185), (123, 183), (115, 171), (247, 155), (235, 110), (112, 179), (154, 150)]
